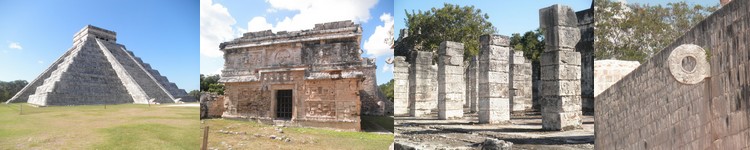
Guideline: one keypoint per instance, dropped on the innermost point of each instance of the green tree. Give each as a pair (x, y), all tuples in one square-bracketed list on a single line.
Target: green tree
[(427, 29), (9, 89), (638, 31), (195, 93), (211, 84), (531, 43), (387, 89)]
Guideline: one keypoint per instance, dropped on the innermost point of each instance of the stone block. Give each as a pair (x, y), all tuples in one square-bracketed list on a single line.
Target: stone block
[(451, 48), (561, 121), (494, 110), (560, 38), (494, 90), (494, 53), (560, 58), (561, 88), (557, 15), (561, 72), (493, 39), (554, 104)]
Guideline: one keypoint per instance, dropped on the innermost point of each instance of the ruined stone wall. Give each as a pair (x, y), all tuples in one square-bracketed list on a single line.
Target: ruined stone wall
[(586, 47), (694, 94), (400, 86), (608, 72), (212, 105), (331, 85)]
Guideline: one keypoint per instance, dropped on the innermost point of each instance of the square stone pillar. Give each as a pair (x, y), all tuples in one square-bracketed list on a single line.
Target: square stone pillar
[(422, 89), (451, 84), (560, 69), (522, 86), (472, 84), (401, 86), (494, 104)]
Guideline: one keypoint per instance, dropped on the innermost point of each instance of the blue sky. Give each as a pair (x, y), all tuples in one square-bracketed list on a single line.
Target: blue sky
[(224, 20), (163, 33), (664, 2), (507, 16)]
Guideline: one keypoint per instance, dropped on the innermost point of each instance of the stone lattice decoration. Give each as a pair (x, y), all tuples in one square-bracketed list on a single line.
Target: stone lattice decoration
[(97, 70)]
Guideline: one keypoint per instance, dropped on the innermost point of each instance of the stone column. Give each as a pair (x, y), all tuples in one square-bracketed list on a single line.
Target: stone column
[(472, 84), (494, 104), (560, 69), (451, 80), (521, 75), (401, 86), (421, 86)]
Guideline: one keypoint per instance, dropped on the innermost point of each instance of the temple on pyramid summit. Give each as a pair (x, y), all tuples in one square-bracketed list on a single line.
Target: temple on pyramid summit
[(97, 70)]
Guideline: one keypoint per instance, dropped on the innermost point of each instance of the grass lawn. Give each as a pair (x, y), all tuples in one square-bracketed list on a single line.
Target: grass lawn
[(125, 126), (226, 133)]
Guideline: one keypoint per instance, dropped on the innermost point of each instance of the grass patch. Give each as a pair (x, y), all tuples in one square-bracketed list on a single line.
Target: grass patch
[(125, 126), (149, 136), (255, 135)]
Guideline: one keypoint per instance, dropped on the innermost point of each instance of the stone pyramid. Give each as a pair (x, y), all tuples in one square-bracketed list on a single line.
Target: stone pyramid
[(97, 70)]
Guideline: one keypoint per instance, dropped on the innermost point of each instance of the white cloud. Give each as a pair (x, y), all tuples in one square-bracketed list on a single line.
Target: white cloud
[(387, 68), (258, 24), (216, 27), (218, 71), (375, 45), (15, 45), (319, 11)]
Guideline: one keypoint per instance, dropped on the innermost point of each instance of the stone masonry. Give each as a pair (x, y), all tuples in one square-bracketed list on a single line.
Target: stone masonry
[(311, 77), (450, 80), (493, 80), (693, 94), (471, 85), (97, 70), (560, 69), (520, 68), (421, 86), (401, 86)]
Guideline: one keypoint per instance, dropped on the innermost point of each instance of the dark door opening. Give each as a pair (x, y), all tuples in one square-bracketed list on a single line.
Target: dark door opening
[(284, 104)]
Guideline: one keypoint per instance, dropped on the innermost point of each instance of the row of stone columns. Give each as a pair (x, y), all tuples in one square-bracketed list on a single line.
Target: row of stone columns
[(491, 88)]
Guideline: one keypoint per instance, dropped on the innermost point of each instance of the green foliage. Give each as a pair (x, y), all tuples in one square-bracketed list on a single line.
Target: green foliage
[(195, 93), (637, 32), (9, 89), (531, 43), (211, 84), (427, 29), (387, 89)]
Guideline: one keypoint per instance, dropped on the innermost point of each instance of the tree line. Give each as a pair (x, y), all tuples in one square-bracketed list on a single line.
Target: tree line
[(10, 88)]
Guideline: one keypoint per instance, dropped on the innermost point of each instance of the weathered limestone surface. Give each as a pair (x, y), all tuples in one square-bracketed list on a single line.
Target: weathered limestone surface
[(608, 72), (373, 100), (560, 69), (520, 68), (450, 80), (322, 67), (493, 79), (97, 71), (651, 109), (472, 96), (422, 89), (401, 86)]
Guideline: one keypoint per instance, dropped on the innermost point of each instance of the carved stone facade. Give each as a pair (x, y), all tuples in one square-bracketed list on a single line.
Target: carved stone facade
[(309, 78), (97, 70)]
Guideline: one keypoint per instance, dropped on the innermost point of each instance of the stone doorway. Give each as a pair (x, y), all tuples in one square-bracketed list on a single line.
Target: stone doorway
[(284, 104)]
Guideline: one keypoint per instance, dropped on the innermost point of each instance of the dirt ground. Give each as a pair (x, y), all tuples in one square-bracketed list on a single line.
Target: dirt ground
[(524, 132)]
